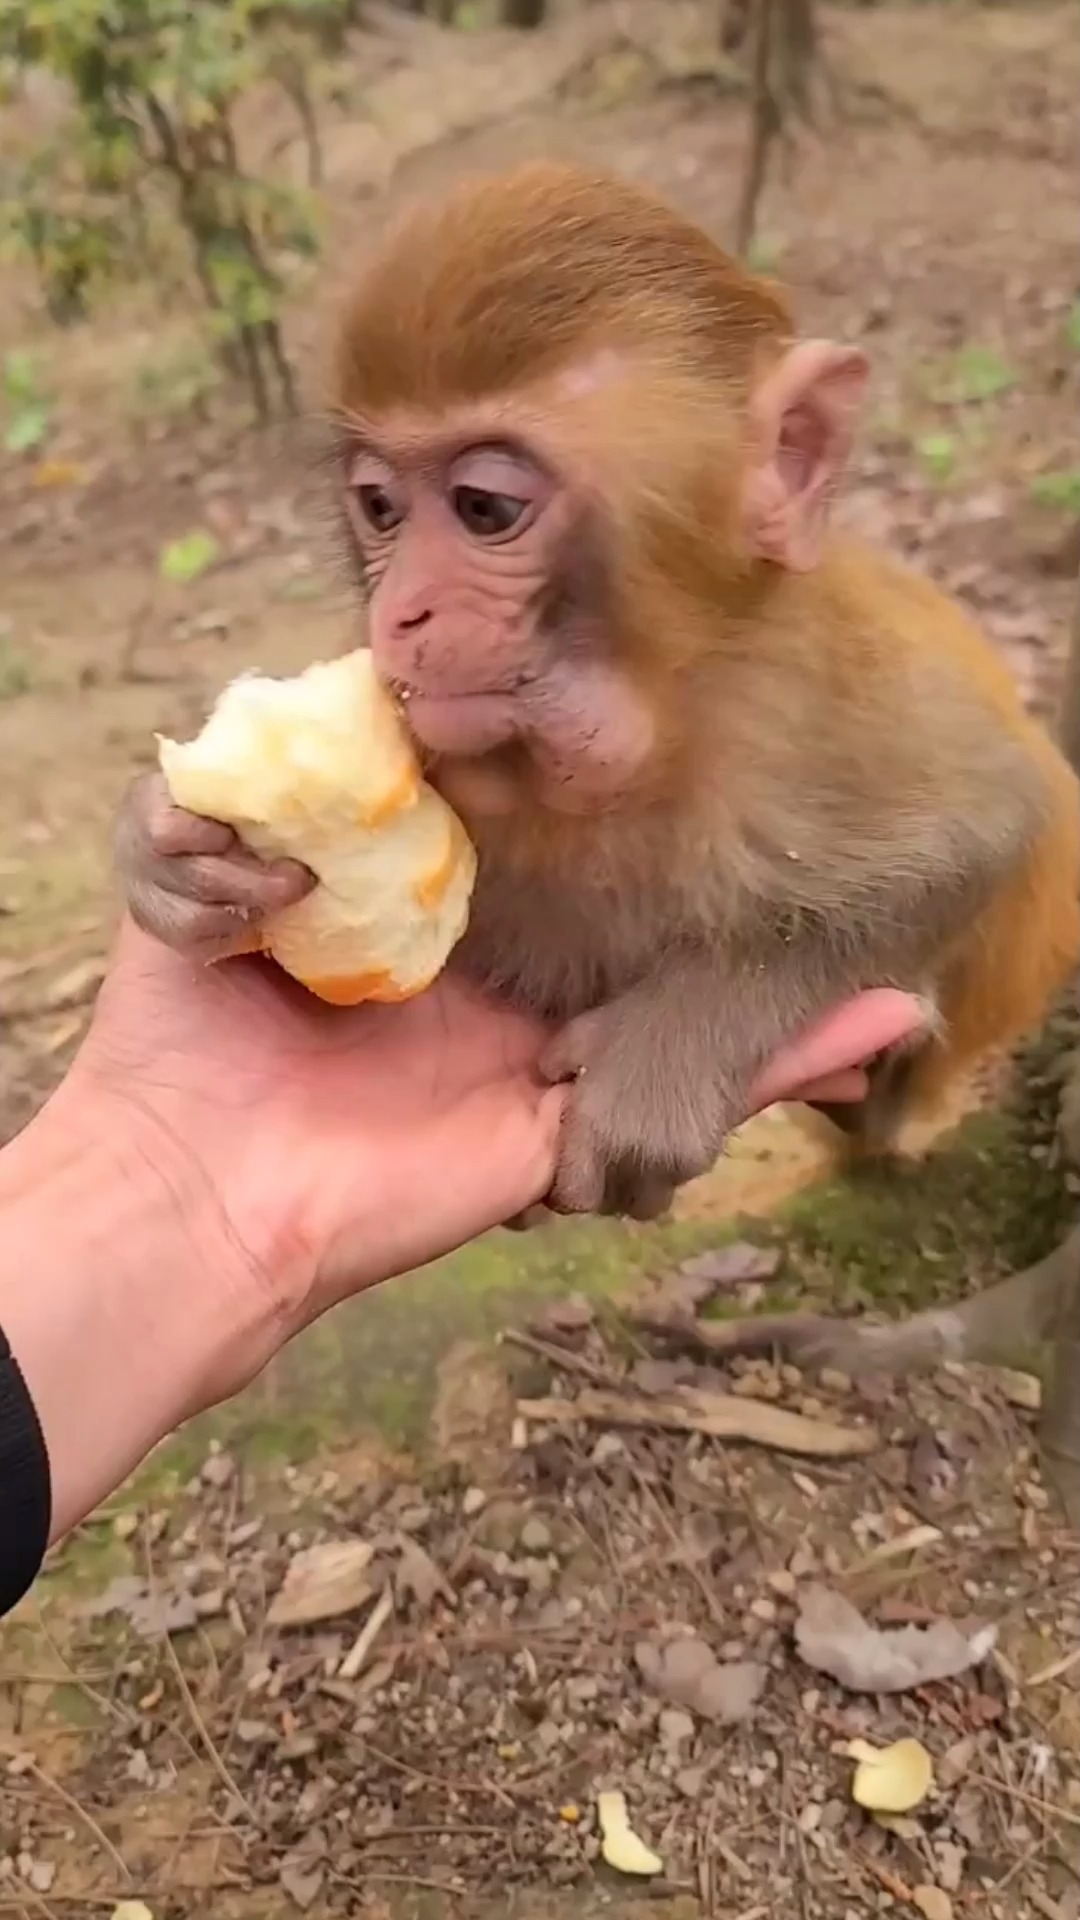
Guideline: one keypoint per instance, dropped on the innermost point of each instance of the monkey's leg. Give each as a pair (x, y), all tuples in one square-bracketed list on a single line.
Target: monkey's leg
[(871, 1123)]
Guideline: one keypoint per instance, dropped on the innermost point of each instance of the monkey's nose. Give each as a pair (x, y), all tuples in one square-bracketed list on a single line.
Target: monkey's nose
[(410, 622)]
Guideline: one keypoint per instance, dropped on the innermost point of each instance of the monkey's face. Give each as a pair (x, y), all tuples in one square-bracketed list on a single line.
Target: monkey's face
[(455, 543), (486, 611)]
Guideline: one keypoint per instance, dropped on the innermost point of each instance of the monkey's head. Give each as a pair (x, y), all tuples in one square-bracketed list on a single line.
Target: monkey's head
[(575, 436)]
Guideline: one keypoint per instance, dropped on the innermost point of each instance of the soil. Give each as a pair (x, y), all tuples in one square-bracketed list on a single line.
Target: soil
[(206, 1761)]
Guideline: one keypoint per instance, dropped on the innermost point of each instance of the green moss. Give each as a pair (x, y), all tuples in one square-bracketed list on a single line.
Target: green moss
[(991, 1198)]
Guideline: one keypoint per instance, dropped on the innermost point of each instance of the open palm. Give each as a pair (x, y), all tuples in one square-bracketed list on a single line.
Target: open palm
[(340, 1147)]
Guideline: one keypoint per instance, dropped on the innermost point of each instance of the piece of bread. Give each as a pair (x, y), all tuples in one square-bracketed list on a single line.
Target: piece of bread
[(320, 769)]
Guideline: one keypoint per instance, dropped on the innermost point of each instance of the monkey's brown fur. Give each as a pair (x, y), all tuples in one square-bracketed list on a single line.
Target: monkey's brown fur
[(732, 786)]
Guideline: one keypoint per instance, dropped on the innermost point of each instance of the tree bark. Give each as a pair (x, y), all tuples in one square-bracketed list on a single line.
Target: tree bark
[(523, 13)]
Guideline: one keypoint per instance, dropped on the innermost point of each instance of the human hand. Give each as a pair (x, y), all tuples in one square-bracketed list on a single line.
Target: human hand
[(228, 1157), (339, 1147)]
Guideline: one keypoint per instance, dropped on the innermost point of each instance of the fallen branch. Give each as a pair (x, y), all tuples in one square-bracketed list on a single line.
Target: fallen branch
[(722, 1415)]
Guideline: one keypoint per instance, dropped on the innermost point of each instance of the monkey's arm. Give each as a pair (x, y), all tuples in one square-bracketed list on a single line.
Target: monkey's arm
[(664, 1072), (189, 882), (669, 1065)]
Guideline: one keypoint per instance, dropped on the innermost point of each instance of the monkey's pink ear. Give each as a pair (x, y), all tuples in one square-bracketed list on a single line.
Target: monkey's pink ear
[(802, 421)]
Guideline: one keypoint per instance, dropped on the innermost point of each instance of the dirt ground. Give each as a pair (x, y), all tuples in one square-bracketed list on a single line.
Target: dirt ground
[(227, 1766)]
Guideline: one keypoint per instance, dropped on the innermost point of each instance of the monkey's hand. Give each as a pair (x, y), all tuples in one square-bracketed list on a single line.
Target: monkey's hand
[(652, 1101), (190, 882)]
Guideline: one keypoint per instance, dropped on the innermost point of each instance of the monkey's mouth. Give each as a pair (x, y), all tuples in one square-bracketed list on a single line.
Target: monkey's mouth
[(457, 723)]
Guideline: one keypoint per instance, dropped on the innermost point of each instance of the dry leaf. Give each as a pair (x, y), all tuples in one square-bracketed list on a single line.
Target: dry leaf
[(890, 1779), (1020, 1389), (132, 1910), (699, 1410), (58, 473), (687, 1672), (303, 1871), (418, 1574), (933, 1903), (322, 1582), (152, 1611), (832, 1636), (621, 1847), (302, 1883)]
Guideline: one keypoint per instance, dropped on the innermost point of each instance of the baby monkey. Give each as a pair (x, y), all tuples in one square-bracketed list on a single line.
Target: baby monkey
[(723, 767)]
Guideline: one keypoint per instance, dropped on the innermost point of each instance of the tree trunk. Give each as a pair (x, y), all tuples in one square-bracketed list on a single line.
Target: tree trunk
[(523, 13), (764, 127)]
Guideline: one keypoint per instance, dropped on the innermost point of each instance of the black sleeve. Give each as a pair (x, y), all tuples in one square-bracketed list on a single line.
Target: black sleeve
[(25, 1485)]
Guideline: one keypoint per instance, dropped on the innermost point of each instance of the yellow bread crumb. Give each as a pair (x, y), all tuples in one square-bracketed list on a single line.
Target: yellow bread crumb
[(320, 769)]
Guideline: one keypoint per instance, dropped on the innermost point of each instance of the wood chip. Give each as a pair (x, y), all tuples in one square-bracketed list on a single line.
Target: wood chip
[(722, 1415)]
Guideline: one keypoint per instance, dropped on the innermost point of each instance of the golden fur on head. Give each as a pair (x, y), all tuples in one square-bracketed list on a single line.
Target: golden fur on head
[(507, 279)]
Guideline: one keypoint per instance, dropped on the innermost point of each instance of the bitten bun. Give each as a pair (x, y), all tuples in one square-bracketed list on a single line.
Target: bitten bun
[(320, 769)]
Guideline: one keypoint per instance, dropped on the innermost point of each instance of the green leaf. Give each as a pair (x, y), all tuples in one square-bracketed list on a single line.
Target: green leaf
[(765, 252), (20, 375), (28, 428), (186, 559), (1060, 489), (937, 451), (977, 373), (16, 674)]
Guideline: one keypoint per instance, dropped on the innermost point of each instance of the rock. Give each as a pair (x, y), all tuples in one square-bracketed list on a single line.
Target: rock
[(539, 1574), (933, 1903), (473, 1501), (535, 1536), (218, 1469), (690, 1781), (675, 1726), (783, 1582), (687, 1672)]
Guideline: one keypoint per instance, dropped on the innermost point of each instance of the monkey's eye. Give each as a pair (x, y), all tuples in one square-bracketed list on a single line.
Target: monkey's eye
[(485, 514), (379, 508)]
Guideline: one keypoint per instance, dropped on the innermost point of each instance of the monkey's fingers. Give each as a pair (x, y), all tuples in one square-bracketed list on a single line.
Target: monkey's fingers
[(634, 1194), (238, 880), (202, 932), (149, 817), (572, 1049)]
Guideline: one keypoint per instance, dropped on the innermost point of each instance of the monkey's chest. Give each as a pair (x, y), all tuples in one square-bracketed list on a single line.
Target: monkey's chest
[(562, 944)]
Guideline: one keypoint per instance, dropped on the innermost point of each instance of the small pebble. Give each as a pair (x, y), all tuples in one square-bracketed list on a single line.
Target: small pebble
[(535, 1536), (834, 1381), (218, 1469), (690, 1781), (675, 1727), (473, 1500)]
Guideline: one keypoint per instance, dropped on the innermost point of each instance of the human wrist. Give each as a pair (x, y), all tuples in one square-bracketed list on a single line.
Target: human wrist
[(127, 1303)]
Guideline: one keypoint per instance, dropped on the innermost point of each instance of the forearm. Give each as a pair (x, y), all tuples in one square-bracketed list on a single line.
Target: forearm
[(123, 1301)]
